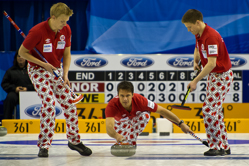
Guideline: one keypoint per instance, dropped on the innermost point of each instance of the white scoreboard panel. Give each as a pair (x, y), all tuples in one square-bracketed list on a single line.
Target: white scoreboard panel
[(160, 78), (168, 90)]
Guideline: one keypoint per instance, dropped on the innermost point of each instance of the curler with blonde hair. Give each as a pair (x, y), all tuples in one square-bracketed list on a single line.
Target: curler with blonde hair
[(60, 8)]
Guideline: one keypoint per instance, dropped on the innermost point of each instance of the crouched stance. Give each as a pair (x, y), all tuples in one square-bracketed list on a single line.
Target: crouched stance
[(128, 114)]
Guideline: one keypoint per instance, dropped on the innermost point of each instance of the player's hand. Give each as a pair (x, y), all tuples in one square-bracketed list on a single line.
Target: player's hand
[(196, 66), (192, 85), (185, 128), (120, 138), (49, 67), (66, 81)]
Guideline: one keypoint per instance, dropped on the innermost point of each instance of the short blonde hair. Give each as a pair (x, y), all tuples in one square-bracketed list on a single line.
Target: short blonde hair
[(60, 8)]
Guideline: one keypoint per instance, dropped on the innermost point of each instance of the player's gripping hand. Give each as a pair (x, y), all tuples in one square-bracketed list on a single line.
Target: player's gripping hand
[(49, 67), (197, 66), (120, 138), (192, 85), (66, 81), (185, 128)]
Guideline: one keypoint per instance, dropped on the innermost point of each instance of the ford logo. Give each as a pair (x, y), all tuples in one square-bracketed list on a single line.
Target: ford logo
[(34, 111), (181, 62), (137, 62), (90, 62), (237, 61)]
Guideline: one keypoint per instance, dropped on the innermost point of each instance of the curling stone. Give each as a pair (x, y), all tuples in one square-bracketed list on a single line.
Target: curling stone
[(123, 150), (3, 131)]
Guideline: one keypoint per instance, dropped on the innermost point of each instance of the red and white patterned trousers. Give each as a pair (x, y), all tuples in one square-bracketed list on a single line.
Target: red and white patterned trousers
[(131, 128), (218, 85), (49, 87)]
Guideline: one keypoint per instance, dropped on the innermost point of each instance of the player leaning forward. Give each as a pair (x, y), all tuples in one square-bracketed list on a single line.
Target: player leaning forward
[(128, 114), (211, 49), (52, 38)]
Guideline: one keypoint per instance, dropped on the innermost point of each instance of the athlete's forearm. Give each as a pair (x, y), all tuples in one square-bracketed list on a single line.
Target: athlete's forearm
[(110, 127), (66, 61), (111, 132), (207, 69), (167, 114), (23, 52), (196, 56)]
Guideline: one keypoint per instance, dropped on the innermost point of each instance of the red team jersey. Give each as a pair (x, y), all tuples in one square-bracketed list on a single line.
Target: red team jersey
[(139, 104), (211, 44), (49, 44)]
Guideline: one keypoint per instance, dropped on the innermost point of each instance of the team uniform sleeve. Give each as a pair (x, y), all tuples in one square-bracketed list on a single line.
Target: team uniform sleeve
[(148, 104), (32, 39), (212, 45)]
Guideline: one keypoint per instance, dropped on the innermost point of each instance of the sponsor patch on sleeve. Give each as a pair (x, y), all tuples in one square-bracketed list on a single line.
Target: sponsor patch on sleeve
[(212, 49), (151, 104)]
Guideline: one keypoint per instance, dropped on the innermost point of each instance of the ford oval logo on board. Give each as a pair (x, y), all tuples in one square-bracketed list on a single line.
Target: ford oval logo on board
[(137, 62), (181, 62), (237, 61), (91, 62), (34, 111)]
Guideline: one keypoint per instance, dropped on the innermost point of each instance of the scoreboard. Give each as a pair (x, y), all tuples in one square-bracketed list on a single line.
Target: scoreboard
[(158, 86), (160, 78)]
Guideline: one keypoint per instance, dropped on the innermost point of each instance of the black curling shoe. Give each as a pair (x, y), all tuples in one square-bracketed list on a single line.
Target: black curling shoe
[(43, 152), (82, 149), (213, 152), (228, 151)]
